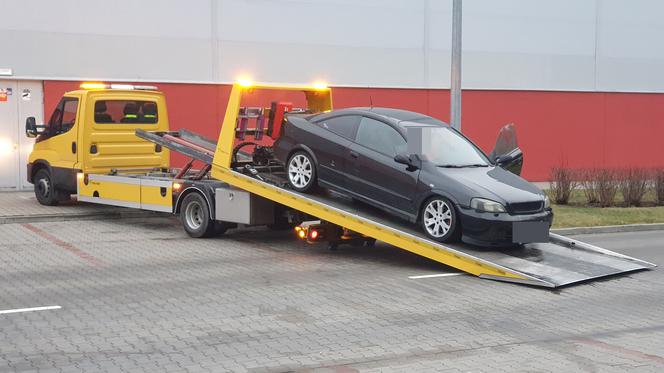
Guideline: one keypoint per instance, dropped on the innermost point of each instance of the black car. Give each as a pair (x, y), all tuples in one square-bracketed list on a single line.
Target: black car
[(420, 169)]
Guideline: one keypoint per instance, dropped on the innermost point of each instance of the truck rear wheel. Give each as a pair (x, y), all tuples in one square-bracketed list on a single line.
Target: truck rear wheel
[(44, 188), (195, 217)]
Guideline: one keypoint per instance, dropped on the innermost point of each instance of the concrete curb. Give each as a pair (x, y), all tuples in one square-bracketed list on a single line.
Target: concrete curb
[(101, 215), (609, 229)]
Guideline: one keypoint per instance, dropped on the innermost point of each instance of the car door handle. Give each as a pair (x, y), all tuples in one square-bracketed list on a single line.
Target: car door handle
[(354, 154), (73, 147)]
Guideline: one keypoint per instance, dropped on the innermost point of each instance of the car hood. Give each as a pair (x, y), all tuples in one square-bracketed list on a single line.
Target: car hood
[(493, 183)]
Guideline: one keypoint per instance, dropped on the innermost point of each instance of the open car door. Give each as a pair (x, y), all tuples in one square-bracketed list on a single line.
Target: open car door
[(506, 153)]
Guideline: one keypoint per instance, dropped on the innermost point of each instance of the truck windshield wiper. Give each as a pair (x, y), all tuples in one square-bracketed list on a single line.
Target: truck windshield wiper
[(476, 165)]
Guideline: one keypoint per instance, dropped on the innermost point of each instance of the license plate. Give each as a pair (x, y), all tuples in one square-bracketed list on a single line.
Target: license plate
[(530, 231)]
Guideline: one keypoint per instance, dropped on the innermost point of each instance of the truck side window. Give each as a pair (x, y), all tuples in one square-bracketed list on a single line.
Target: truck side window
[(125, 111), (62, 120)]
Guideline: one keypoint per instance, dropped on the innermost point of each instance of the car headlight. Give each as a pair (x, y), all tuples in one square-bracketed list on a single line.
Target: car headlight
[(486, 205), (547, 203)]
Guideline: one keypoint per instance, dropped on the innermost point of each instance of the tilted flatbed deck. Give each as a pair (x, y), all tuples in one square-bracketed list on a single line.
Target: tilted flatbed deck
[(559, 262)]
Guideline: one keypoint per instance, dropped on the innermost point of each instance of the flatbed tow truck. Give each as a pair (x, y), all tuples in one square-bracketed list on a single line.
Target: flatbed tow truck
[(125, 162)]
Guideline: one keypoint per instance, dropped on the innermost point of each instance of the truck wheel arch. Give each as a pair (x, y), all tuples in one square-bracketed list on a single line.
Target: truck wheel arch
[(194, 189), (38, 165)]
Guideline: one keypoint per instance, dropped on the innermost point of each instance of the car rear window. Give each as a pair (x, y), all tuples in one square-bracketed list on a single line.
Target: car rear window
[(345, 126), (125, 111)]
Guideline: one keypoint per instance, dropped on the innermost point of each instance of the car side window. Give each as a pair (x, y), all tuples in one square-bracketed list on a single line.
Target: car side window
[(345, 126), (380, 137)]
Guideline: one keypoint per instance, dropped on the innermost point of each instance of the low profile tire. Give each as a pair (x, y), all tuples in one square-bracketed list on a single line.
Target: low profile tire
[(301, 171), (195, 217), (440, 220), (44, 188)]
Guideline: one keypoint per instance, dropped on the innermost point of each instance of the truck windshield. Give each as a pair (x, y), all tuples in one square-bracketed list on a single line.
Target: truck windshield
[(444, 147)]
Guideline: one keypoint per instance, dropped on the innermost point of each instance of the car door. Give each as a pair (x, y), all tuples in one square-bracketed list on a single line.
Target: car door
[(374, 174), (507, 153), (332, 147)]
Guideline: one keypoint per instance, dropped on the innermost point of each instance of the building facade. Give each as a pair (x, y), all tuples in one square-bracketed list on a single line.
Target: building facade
[(583, 80)]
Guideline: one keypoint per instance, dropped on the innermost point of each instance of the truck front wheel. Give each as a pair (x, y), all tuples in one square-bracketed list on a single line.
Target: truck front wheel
[(195, 216), (44, 188)]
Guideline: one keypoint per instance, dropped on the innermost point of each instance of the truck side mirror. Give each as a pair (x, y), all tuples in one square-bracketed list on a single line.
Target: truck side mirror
[(31, 127)]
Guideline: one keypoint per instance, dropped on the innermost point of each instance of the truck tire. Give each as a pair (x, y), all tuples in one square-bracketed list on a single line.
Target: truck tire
[(195, 217), (44, 189)]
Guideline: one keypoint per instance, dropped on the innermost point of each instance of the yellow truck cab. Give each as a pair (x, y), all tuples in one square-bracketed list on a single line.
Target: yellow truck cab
[(92, 130)]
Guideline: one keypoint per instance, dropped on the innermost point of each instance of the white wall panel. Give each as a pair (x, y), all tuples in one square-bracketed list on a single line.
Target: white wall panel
[(630, 46), (526, 44), (586, 45), (119, 39), (378, 43)]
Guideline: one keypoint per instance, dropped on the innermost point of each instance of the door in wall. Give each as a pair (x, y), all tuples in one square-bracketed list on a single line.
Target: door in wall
[(19, 99)]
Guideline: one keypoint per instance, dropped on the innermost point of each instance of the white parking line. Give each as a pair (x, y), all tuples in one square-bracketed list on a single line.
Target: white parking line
[(436, 275), (19, 310)]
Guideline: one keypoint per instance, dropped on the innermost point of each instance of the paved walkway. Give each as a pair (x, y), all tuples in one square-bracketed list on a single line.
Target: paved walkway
[(17, 207)]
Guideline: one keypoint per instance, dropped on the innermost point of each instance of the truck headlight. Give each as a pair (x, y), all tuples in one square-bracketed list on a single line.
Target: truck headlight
[(547, 203), (486, 205)]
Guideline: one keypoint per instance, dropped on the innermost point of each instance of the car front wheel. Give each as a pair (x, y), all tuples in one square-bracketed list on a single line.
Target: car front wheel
[(301, 171), (439, 220)]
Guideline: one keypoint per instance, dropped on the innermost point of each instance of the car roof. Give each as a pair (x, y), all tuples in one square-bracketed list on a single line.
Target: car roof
[(398, 117)]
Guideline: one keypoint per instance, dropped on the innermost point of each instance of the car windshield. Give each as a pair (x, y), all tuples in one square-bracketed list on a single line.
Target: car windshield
[(444, 147)]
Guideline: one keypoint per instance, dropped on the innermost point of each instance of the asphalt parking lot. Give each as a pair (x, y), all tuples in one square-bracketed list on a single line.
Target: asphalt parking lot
[(138, 295)]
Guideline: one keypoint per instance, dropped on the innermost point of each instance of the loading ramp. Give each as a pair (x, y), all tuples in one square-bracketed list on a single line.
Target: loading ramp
[(559, 262)]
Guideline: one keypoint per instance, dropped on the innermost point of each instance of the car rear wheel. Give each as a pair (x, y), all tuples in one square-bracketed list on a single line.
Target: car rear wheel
[(301, 171), (439, 220)]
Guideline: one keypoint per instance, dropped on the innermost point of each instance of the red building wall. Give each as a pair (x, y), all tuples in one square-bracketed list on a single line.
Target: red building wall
[(577, 129)]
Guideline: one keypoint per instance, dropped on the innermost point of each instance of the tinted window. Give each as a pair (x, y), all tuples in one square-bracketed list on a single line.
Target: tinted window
[(125, 111), (62, 120), (380, 137), (345, 126)]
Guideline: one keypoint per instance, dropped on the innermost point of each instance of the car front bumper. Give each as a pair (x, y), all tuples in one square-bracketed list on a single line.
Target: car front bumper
[(490, 229)]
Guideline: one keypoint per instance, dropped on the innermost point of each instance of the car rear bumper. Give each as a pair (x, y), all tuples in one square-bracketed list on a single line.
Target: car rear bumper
[(488, 229)]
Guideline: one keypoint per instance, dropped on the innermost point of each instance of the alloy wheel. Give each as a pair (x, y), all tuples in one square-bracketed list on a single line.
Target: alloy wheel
[(437, 218), (300, 171)]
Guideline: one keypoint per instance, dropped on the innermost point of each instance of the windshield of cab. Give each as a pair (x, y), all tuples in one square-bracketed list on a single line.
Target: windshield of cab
[(444, 147)]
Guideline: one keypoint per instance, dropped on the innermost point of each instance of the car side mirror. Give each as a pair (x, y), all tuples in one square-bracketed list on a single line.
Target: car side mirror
[(412, 161), (31, 127), (402, 158)]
